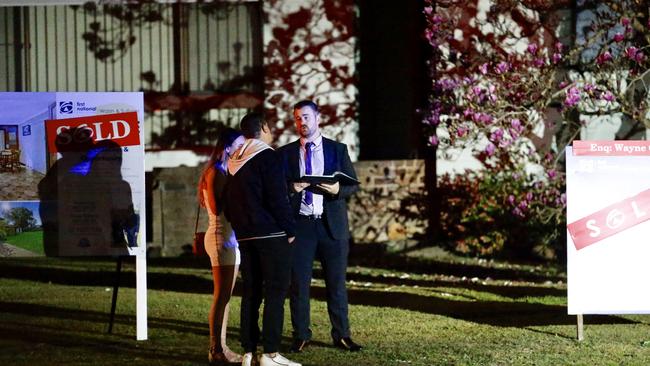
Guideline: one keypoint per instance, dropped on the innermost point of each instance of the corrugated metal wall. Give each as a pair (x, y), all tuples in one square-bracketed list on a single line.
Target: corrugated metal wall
[(190, 49)]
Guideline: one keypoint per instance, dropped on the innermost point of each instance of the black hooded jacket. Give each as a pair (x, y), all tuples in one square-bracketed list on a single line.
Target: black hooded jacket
[(255, 196)]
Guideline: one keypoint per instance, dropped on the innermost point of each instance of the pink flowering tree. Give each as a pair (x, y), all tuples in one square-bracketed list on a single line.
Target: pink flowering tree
[(516, 82)]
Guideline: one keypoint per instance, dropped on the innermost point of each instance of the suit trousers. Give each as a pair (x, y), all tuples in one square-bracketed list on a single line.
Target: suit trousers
[(266, 275), (313, 241)]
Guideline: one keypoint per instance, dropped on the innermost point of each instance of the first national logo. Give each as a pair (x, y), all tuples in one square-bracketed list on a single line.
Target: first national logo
[(65, 107)]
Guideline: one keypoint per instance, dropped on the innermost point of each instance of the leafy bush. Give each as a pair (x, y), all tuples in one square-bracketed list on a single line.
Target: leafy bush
[(502, 214), (3, 230)]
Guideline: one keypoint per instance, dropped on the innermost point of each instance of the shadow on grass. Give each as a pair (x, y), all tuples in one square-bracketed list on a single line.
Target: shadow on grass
[(203, 285), (48, 311), (79, 277), (517, 291), (375, 256), (554, 334), (77, 337), (36, 331), (95, 344), (499, 313)]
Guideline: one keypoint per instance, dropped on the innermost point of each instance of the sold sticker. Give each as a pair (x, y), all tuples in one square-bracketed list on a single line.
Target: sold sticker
[(610, 220), (76, 134)]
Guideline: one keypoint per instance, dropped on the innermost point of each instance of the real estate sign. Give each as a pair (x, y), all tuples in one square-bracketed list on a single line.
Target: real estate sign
[(82, 163), (608, 213), (72, 178), (92, 182)]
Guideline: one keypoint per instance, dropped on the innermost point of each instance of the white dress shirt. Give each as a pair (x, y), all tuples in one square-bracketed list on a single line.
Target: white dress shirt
[(317, 168)]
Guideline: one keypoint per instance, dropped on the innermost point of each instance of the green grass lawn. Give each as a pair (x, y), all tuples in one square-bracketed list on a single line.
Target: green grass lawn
[(55, 312), (30, 240)]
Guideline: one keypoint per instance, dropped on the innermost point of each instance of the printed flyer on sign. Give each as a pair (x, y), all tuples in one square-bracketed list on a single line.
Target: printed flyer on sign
[(74, 185), (608, 226)]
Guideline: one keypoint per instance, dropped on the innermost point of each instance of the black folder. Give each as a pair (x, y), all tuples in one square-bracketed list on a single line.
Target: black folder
[(340, 177)]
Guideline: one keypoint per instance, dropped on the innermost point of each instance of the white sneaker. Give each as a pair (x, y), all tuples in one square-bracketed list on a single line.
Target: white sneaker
[(277, 360), (247, 360)]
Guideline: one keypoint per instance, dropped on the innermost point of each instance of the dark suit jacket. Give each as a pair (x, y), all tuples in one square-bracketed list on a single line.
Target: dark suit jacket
[(335, 207)]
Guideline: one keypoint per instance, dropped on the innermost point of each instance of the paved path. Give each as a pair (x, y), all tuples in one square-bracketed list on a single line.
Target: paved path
[(8, 250)]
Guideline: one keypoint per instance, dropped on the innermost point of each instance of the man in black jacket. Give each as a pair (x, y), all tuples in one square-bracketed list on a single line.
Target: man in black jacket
[(321, 225), (256, 204)]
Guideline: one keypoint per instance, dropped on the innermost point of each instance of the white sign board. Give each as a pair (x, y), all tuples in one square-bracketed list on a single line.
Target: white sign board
[(72, 164), (608, 241)]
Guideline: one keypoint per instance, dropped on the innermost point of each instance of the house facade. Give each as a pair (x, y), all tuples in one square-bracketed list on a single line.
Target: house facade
[(203, 65)]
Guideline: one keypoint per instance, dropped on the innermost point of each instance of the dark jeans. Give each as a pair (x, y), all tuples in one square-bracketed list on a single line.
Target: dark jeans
[(313, 241), (266, 273)]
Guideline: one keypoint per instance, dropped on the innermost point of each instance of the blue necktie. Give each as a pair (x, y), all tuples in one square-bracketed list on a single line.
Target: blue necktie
[(308, 146)]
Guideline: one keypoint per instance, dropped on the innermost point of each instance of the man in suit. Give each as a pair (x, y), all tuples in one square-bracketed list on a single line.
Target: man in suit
[(321, 225)]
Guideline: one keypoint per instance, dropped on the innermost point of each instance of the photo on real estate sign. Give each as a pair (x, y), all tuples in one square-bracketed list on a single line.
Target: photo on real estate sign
[(21, 230), (23, 155)]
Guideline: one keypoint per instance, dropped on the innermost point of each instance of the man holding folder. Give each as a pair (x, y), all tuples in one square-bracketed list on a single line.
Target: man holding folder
[(321, 224)]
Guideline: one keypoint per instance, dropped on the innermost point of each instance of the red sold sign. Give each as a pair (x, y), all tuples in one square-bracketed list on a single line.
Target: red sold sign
[(73, 134), (610, 220)]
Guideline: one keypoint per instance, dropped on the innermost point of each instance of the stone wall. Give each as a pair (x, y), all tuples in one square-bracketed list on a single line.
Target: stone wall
[(385, 210), (174, 209)]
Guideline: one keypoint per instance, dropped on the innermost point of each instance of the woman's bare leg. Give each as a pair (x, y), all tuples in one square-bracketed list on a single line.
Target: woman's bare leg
[(215, 317), (228, 277)]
